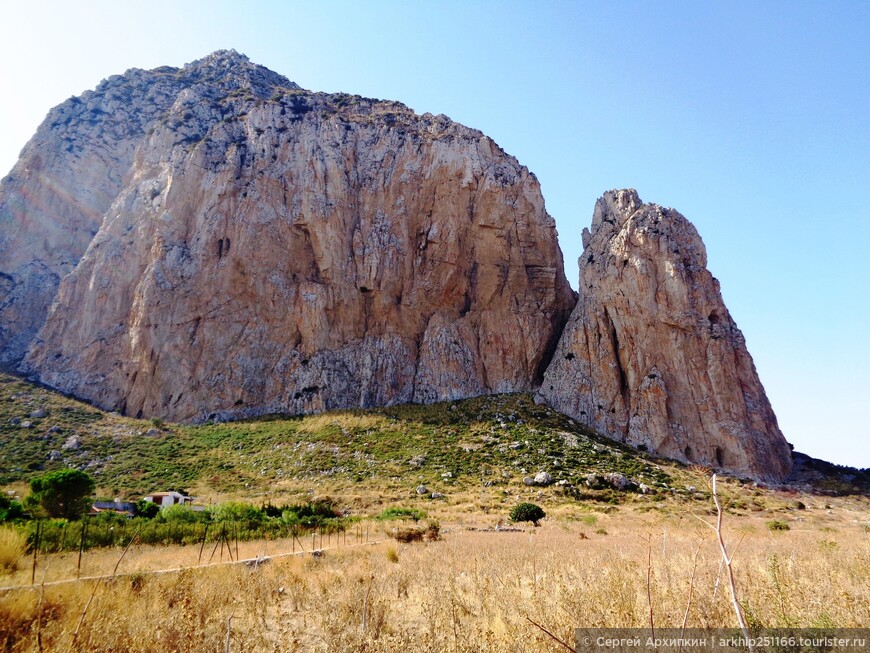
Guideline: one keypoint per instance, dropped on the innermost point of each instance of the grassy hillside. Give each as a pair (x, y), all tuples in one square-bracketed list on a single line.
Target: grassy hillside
[(475, 453)]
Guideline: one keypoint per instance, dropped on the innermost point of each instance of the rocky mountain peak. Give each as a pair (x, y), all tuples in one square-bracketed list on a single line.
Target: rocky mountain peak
[(230, 71), (614, 208), (225, 59), (651, 356)]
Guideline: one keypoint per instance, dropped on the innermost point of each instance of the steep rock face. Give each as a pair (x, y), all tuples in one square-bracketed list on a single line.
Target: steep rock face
[(651, 356), (53, 201), (272, 249), (69, 173)]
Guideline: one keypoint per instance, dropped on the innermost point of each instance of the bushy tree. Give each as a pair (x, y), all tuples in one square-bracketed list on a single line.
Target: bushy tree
[(237, 511), (309, 514), (10, 508), (183, 514), (63, 493), (147, 509), (527, 512)]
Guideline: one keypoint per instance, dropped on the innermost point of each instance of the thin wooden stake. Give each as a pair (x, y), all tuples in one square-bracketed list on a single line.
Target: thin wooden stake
[(35, 552), (81, 548), (551, 635), (295, 533), (204, 536), (39, 610), (652, 625), (229, 634), (214, 550)]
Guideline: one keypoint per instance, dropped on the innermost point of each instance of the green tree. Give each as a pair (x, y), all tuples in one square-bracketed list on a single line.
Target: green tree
[(10, 508), (182, 514), (527, 512), (237, 511), (63, 493), (147, 509)]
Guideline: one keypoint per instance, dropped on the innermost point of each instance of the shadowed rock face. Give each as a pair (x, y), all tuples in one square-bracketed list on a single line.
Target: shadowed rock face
[(261, 248), (651, 356)]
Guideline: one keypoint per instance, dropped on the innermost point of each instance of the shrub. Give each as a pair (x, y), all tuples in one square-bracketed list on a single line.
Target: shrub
[(527, 512), (182, 514), (408, 534), (12, 546), (433, 531), (401, 513), (10, 509), (778, 525), (310, 514), (238, 511), (417, 533), (392, 555)]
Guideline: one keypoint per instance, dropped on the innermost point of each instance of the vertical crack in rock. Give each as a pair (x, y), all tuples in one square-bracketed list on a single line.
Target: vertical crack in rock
[(617, 357)]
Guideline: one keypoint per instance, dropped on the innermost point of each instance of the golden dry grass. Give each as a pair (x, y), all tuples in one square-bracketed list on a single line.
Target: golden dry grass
[(345, 421), (471, 591), (12, 547)]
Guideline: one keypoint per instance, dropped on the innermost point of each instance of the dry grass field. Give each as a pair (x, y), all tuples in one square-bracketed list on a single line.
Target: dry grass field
[(605, 556), (472, 590)]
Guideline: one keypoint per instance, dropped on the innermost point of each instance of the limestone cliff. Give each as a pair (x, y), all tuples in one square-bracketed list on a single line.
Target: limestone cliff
[(651, 356), (53, 201), (260, 248)]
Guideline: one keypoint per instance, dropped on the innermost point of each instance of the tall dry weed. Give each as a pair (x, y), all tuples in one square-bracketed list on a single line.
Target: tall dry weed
[(13, 545)]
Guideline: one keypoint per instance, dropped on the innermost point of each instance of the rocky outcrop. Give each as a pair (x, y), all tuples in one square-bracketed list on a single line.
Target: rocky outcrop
[(651, 356), (271, 249)]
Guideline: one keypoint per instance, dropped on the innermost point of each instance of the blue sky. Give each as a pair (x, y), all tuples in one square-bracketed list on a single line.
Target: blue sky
[(750, 118)]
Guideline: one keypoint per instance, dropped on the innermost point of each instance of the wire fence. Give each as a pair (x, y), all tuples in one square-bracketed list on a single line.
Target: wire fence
[(311, 540)]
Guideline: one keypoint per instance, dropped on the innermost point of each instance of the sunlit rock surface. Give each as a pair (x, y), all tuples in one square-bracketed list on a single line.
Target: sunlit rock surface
[(270, 249), (651, 356)]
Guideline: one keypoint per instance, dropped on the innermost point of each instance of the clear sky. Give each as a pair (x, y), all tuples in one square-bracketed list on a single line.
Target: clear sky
[(750, 118)]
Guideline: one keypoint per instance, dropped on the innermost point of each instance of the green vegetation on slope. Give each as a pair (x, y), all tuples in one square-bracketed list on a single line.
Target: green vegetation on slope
[(490, 442), (486, 445)]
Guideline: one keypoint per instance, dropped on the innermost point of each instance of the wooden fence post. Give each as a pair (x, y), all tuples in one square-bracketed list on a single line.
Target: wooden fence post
[(204, 536), (35, 551), (81, 548)]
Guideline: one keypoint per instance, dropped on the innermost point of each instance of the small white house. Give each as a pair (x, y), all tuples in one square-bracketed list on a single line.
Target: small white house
[(166, 499)]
